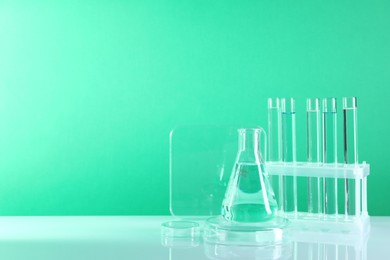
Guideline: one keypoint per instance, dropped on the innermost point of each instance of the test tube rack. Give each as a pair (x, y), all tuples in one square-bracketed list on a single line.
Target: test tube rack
[(357, 223), (345, 212)]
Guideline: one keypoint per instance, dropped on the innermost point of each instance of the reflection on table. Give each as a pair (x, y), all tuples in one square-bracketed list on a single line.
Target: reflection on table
[(140, 238)]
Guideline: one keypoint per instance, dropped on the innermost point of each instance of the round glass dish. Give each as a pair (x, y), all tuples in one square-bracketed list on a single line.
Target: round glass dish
[(180, 234)]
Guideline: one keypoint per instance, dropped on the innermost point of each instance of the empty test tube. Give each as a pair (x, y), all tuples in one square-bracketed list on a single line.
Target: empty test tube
[(352, 186), (315, 184), (289, 154), (274, 130), (329, 152), (275, 145)]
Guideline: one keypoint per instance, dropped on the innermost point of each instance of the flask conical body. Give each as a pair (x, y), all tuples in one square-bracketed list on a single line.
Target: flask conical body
[(249, 196)]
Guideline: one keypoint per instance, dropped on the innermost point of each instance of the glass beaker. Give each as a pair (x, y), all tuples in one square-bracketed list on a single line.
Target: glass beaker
[(249, 196)]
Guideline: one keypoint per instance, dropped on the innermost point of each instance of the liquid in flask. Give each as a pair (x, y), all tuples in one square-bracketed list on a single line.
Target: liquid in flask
[(249, 196)]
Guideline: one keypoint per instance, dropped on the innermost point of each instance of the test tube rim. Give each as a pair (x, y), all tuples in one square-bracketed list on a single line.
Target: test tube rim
[(352, 104), (309, 102), (288, 105), (271, 103), (254, 129), (332, 101)]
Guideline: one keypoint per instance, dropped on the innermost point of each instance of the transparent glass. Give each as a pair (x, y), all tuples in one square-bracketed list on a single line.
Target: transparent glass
[(313, 130), (329, 146), (290, 204), (274, 130), (249, 196), (313, 140), (329, 133), (288, 130), (275, 145), (350, 152), (201, 158)]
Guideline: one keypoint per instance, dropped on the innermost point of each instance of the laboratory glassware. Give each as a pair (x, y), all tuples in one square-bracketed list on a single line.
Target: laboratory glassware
[(329, 146), (352, 206), (313, 140), (289, 154), (275, 145), (249, 196)]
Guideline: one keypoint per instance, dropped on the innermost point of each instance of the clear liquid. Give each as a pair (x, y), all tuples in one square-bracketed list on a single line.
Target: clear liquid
[(313, 137), (274, 135), (315, 195), (249, 197), (350, 157), (341, 196), (288, 144), (331, 196), (329, 137), (249, 213), (315, 186), (288, 155), (330, 156), (350, 193), (290, 200), (350, 136)]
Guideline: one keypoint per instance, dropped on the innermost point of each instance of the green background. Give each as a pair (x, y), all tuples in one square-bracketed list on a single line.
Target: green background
[(90, 91)]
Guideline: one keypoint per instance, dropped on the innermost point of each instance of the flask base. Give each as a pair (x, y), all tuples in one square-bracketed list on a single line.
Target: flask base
[(221, 231)]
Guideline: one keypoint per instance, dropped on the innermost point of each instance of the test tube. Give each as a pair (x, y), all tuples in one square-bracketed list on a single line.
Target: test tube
[(275, 145), (274, 130), (352, 206), (315, 184), (289, 154), (329, 154)]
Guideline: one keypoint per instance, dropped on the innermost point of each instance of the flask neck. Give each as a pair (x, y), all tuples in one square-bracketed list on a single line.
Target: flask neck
[(248, 145)]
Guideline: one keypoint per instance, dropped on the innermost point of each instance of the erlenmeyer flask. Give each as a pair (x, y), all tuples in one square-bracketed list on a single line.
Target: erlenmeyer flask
[(249, 196)]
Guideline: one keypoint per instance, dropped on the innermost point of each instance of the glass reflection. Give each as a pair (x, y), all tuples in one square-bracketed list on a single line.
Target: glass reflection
[(302, 244)]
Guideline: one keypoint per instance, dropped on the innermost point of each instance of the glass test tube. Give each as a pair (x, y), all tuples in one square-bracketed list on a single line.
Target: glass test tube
[(275, 145), (289, 154), (352, 186), (329, 148), (315, 184)]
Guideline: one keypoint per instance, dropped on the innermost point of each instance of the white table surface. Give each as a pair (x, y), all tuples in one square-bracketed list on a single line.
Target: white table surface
[(132, 237)]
